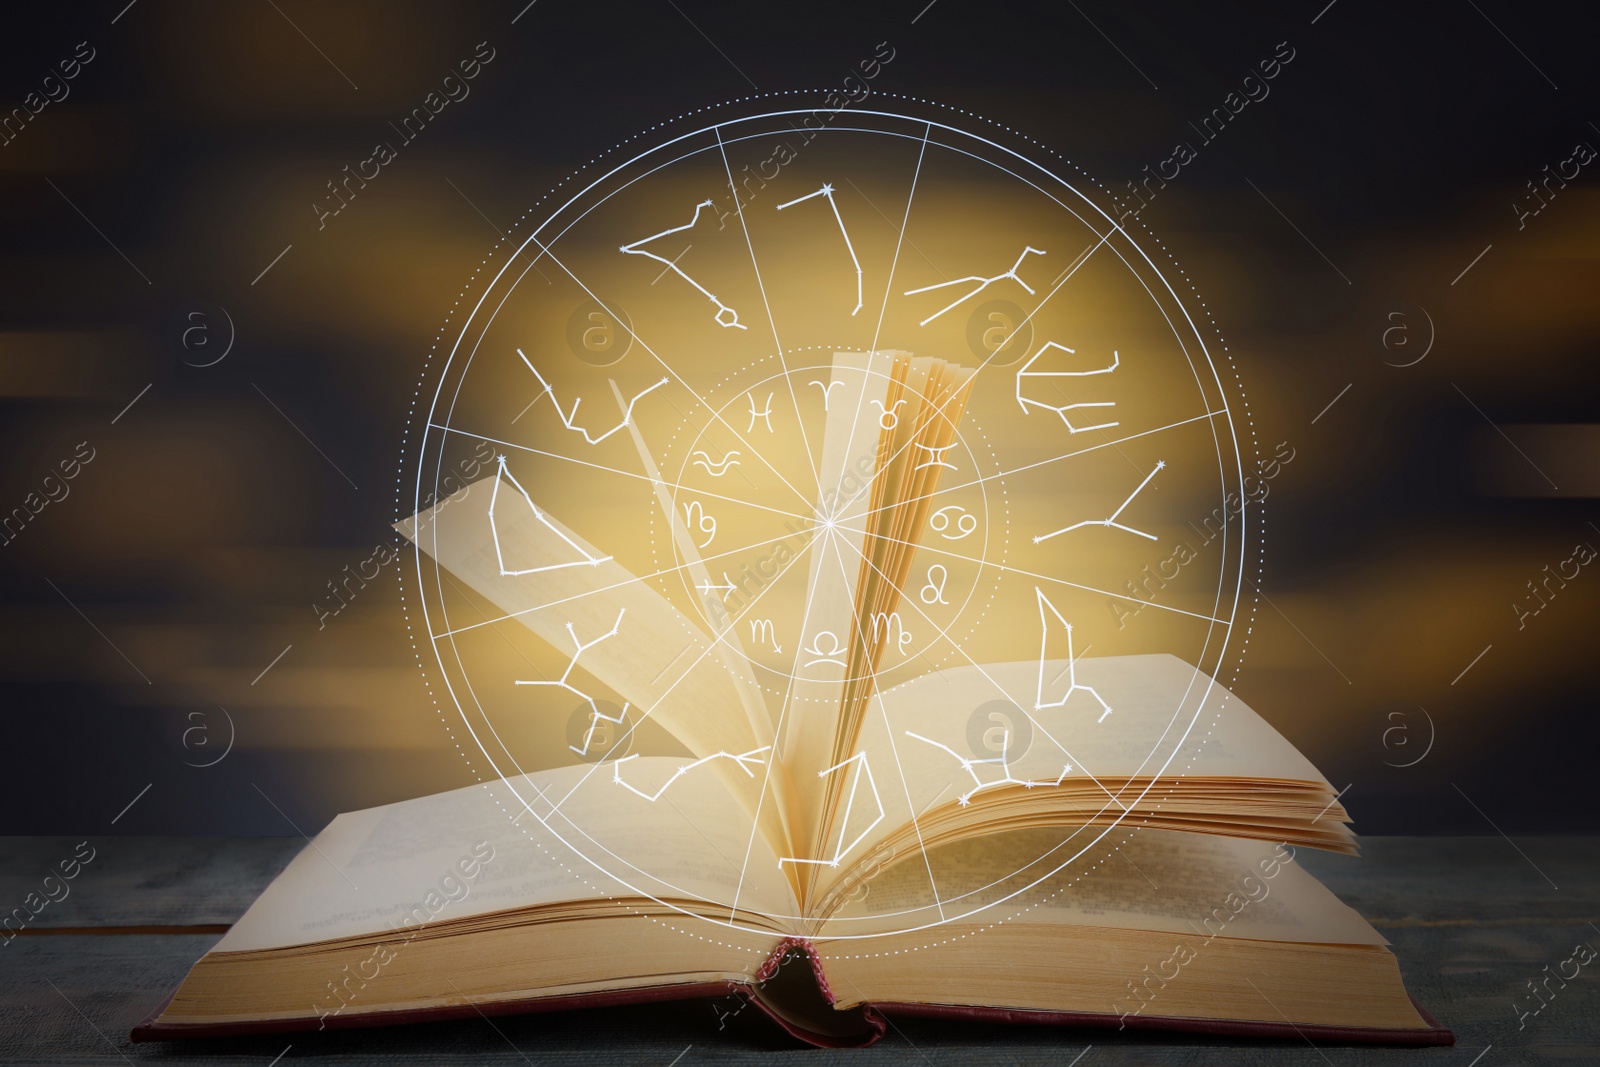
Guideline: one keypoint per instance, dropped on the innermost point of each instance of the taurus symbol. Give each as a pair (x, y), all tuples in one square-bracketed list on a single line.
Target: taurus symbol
[(888, 418)]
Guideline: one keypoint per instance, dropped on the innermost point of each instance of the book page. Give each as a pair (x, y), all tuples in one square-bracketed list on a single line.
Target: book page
[(922, 728), (934, 395), (1192, 884), (548, 578), (930, 741), (730, 650), (847, 476), (459, 854)]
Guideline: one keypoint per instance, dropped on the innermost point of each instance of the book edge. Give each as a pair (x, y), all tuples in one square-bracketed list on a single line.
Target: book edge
[(1435, 1034), (152, 1029), (1411, 1037)]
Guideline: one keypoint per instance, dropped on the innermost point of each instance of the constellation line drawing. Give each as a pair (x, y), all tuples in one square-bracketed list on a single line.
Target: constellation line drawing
[(743, 759), (494, 532), (864, 770), (633, 249), (1072, 661), (596, 715), (568, 416), (978, 784), (826, 192), (983, 283), (1110, 521), (1062, 409)]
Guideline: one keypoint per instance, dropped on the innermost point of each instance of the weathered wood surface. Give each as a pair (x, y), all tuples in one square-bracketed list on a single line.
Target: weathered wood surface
[(1471, 921)]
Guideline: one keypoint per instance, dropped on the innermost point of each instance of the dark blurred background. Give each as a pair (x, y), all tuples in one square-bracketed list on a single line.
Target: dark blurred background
[(158, 605)]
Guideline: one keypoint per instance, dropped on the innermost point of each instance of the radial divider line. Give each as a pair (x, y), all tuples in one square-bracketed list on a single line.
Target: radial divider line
[(943, 633), (1315, 647), (980, 480), (664, 572), (783, 713), (894, 747), (1043, 577), (1290, 1021), (772, 321), (807, 517), (715, 414), (715, 640), (68, 999), (883, 309), (1061, 280), (1083, 257)]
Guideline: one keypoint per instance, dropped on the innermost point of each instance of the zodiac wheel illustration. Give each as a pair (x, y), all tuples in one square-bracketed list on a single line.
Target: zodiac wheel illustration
[(778, 402)]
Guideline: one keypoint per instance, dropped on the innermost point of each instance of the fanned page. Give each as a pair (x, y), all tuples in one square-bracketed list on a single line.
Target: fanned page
[(847, 474), (476, 851), (662, 663), (883, 444), (1166, 929), (1155, 880), (934, 394), (1233, 775)]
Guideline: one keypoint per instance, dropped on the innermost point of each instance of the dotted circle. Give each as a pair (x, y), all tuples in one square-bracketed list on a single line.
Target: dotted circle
[(426, 373)]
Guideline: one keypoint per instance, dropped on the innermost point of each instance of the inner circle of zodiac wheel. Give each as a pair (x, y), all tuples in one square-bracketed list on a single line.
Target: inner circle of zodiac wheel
[(806, 483)]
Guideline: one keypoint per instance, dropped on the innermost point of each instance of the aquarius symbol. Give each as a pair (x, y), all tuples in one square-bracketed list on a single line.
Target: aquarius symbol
[(888, 418), (935, 457), (983, 283), (826, 390), (825, 655), (936, 587), (715, 468), (764, 414), (722, 309)]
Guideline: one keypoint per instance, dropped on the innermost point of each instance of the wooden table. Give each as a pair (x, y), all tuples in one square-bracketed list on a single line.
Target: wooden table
[(1471, 919)]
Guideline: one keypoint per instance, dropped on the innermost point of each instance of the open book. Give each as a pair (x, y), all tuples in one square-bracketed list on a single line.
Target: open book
[(835, 851)]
